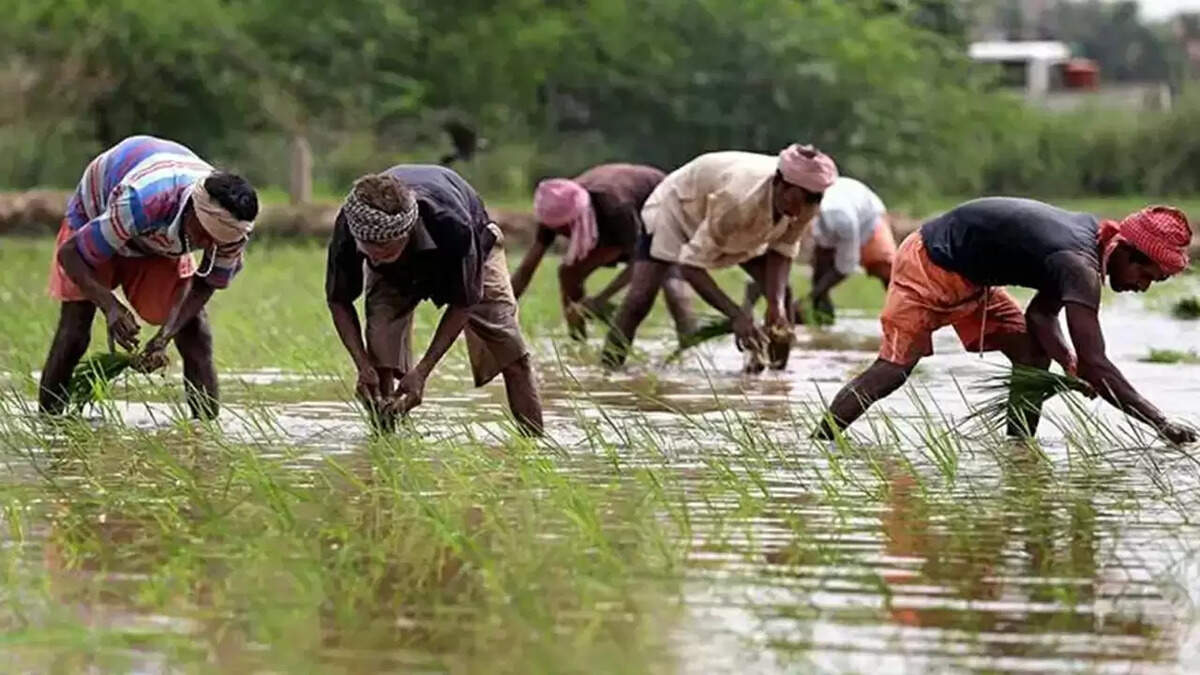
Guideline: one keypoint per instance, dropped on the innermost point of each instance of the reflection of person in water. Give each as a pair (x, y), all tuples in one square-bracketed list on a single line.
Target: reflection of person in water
[(968, 548)]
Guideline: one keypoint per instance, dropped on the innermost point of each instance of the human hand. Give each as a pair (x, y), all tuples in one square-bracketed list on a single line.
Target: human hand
[(152, 357), (367, 386), (123, 327), (576, 317), (748, 335), (410, 391), (779, 345), (1177, 434)]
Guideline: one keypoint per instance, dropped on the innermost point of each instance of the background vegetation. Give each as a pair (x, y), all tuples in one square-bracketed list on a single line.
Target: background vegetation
[(555, 86)]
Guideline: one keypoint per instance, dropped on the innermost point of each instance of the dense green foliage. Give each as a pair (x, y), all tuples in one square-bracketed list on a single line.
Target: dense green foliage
[(553, 87)]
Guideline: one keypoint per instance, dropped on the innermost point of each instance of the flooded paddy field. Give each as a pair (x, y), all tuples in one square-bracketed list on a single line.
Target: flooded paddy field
[(676, 519)]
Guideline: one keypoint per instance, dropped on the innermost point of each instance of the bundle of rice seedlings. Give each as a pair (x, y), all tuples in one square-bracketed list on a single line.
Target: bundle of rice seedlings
[(1022, 389), (713, 328), (1187, 308), (92, 375)]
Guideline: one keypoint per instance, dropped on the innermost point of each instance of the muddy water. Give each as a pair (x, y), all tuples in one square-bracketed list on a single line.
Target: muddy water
[(888, 557)]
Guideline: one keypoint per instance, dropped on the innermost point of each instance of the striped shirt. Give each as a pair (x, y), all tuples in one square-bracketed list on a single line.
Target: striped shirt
[(130, 201)]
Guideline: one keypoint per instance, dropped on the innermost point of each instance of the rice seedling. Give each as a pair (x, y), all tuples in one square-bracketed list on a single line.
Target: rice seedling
[(710, 329), (92, 376), (1021, 391), (1171, 356), (1187, 309), (288, 538)]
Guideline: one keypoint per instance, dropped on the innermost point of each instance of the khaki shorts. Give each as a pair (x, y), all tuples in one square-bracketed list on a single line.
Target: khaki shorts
[(494, 339)]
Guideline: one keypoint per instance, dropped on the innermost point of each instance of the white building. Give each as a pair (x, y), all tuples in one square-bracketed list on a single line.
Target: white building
[(1029, 65)]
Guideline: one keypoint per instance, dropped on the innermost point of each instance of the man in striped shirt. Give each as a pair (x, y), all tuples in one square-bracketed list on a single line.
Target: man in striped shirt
[(139, 211)]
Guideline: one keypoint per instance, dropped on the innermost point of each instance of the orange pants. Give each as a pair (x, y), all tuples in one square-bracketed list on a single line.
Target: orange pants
[(880, 249), (150, 284), (924, 297)]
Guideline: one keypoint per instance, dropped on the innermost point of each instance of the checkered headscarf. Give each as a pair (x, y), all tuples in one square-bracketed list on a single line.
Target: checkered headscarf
[(1162, 233), (369, 224)]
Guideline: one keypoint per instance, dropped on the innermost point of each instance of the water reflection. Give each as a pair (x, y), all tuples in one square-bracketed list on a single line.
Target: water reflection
[(799, 555)]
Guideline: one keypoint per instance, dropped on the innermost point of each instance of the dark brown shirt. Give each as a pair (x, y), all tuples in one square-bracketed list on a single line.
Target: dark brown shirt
[(618, 192), (443, 261)]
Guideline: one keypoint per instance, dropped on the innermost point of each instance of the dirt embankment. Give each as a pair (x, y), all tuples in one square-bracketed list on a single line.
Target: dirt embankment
[(38, 212)]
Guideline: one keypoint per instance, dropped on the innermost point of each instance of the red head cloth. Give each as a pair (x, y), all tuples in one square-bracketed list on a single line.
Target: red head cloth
[(563, 204), (807, 167), (1160, 232)]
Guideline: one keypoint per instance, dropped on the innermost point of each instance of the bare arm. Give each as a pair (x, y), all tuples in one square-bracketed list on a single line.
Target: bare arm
[(1041, 316), (194, 297), (708, 289), (454, 320), (529, 264), (1100, 373), (85, 277), (621, 281), (345, 320), (410, 390), (778, 267), (122, 326), (826, 282)]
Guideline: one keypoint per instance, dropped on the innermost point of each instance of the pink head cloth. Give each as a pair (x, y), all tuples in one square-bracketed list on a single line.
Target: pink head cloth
[(1160, 232), (807, 167), (562, 204)]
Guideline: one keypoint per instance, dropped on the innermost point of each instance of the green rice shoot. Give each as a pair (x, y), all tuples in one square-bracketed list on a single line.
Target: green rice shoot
[(711, 329), (1022, 389), (92, 377)]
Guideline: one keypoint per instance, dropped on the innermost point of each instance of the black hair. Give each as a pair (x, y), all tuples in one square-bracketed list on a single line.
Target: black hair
[(234, 194)]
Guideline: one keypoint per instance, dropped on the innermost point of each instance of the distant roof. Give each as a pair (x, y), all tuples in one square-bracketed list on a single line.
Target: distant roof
[(1019, 51)]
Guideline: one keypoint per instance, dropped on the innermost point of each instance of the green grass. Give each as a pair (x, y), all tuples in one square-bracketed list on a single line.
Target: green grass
[(661, 495), (1171, 356)]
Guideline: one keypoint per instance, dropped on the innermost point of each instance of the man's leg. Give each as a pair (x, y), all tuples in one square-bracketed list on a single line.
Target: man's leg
[(1022, 350), (751, 296), (823, 310), (777, 352), (523, 397), (678, 295), (195, 346), (876, 382), (648, 276), (71, 340), (388, 333)]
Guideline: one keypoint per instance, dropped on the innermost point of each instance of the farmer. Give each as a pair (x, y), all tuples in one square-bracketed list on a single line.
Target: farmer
[(600, 210), (423, 233), (719, 210), (139, 210), (948, 274), (852, 229)]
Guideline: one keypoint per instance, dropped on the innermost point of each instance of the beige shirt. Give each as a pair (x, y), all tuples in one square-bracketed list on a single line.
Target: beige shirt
[(716, 211)]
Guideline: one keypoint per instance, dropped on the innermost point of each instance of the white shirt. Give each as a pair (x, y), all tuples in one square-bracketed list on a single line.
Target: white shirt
[(716, 211), (849, 213)]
